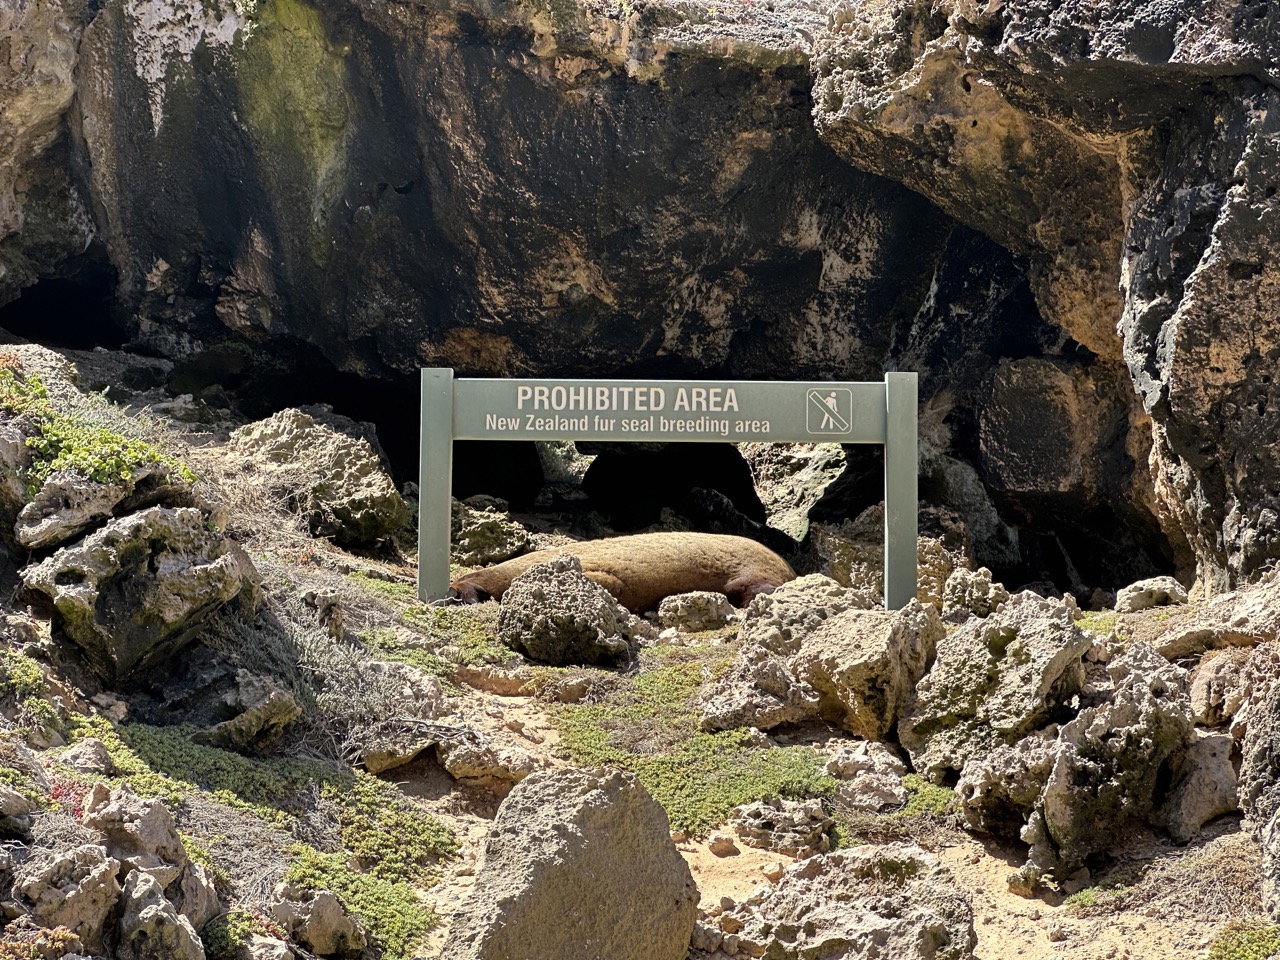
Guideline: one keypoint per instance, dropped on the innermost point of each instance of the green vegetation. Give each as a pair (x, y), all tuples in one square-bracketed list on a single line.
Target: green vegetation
[(925, 799), (1246, 940), (385, 832), (648, 724), (388, 645), (224, 936), (22, 679), (23, 940), (389, 910), (67, 441), (1100, 623)]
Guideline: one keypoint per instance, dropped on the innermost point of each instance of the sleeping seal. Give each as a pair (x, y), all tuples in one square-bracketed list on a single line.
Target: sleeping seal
[(641, 570)]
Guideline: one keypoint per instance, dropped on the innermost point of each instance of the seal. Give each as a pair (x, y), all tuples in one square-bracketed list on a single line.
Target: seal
[(641, 570)]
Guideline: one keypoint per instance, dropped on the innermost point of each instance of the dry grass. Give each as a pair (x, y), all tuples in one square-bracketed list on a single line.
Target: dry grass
[(257, 500)]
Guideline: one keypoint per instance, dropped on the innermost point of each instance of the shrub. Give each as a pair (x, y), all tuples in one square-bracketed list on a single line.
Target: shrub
[(1246, 940)]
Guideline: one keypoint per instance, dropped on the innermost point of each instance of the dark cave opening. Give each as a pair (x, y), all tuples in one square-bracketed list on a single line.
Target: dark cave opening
[(74, 312)]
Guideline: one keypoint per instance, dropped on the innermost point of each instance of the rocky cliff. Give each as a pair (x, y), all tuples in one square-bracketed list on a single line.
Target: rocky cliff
[(1058, 212)]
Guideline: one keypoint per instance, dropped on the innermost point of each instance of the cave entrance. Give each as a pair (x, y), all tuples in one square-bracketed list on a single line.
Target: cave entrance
[(74, 312), (669, 411)]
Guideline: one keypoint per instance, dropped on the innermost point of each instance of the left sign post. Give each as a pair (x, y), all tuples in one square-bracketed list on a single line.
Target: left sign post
[(435, 472)]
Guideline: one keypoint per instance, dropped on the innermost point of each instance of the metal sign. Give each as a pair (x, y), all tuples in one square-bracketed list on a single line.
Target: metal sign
[(669, 410)]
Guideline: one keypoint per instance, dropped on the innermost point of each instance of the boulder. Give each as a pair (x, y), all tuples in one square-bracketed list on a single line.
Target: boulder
[(77, 889), (1260, 756), (971, 592), (132, 594), (780, 620), (994, 681), (68, 504), (1247, 618), (320, 924), (864, 664), (758, 690), (479, 757), (482, 533), (349, 494), (89, 756), (871, 775), (1218, 685), (577, 863), (872, 901), (1154, 592), (151, 927), (262, 710), (795, 828), (790, 478), (1068, 792), (553, 614), (1204, 787), (15, 812), (695, 611)]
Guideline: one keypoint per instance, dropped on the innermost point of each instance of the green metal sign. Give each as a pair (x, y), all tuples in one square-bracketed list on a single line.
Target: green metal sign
[(669, 410)]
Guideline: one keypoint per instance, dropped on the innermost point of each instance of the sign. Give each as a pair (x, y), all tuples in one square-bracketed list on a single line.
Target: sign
[(669, 411)]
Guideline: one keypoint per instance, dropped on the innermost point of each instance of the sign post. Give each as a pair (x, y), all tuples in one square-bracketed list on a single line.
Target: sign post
[(675, 411)]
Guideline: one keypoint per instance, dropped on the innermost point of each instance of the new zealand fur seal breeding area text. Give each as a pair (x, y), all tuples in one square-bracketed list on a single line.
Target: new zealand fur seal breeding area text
[(669, 411)]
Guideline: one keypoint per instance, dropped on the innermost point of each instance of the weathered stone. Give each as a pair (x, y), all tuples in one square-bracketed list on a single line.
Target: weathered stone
[(1068, 792), (15, 812), (1154, 592), (349, 496), (1205, 787), (1218, 685), (268, 948), (795, 828), (791, 478), (482, 533), (693, 612), (477, 756), (77, 890), (860, 902), (139, 832), (573, 858), (779, 621), (262, 710), (131, 594), (994, 681), (872, 775), (864, 664), (89, 756), (971, 592), (321, 925), (150, 927), (1246, 618), (553, 614), (758, 690)]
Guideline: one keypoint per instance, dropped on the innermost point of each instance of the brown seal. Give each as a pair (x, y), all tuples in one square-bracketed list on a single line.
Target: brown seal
[(641, 570)]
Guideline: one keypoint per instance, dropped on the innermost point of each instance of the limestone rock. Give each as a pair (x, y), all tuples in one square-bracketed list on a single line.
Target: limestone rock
[(77, 890), (791, 478), (68, 504), (131, 594), (971, 592), (1260, 757), (15, 812), (553, 614), (350, 495), (894, 901), (864, 664), (1218, 685), (1205, 787), (577, 861), (1154, 592), (482, 533), (696, 611), (268, 948), (871, 773), (1247, 618), (262, 710), (780, 620), (150, 927), (478, 756), (758, 690), (796, 828), (139, 832), (89, 756), (994, 681), (1068, 792), (321, 925)]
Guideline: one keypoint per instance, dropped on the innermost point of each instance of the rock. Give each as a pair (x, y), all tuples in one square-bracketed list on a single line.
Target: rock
[(1068, 792), (15, 812), (1204, 788), (76, 889), (553, 614), (68, 504), (131, 594), (533, 898), (695, 612), (150, 927), (780, 620), (971, 592), (994, 681), (872, 773), (794, 828), (139, 832), (321, 925), (1248, 618), (790, 478), (89, 756), (477, 756), (758, 690), (1260, 756), (268, 948), (1155, 592), (1269, 840), (1218, 685), (864, 665), (894, 900), (263, 709), (721, 845), (482, 533), (349, 495)]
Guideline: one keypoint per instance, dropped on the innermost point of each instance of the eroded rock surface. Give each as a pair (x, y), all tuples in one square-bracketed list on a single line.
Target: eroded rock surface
[(575, 858)]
